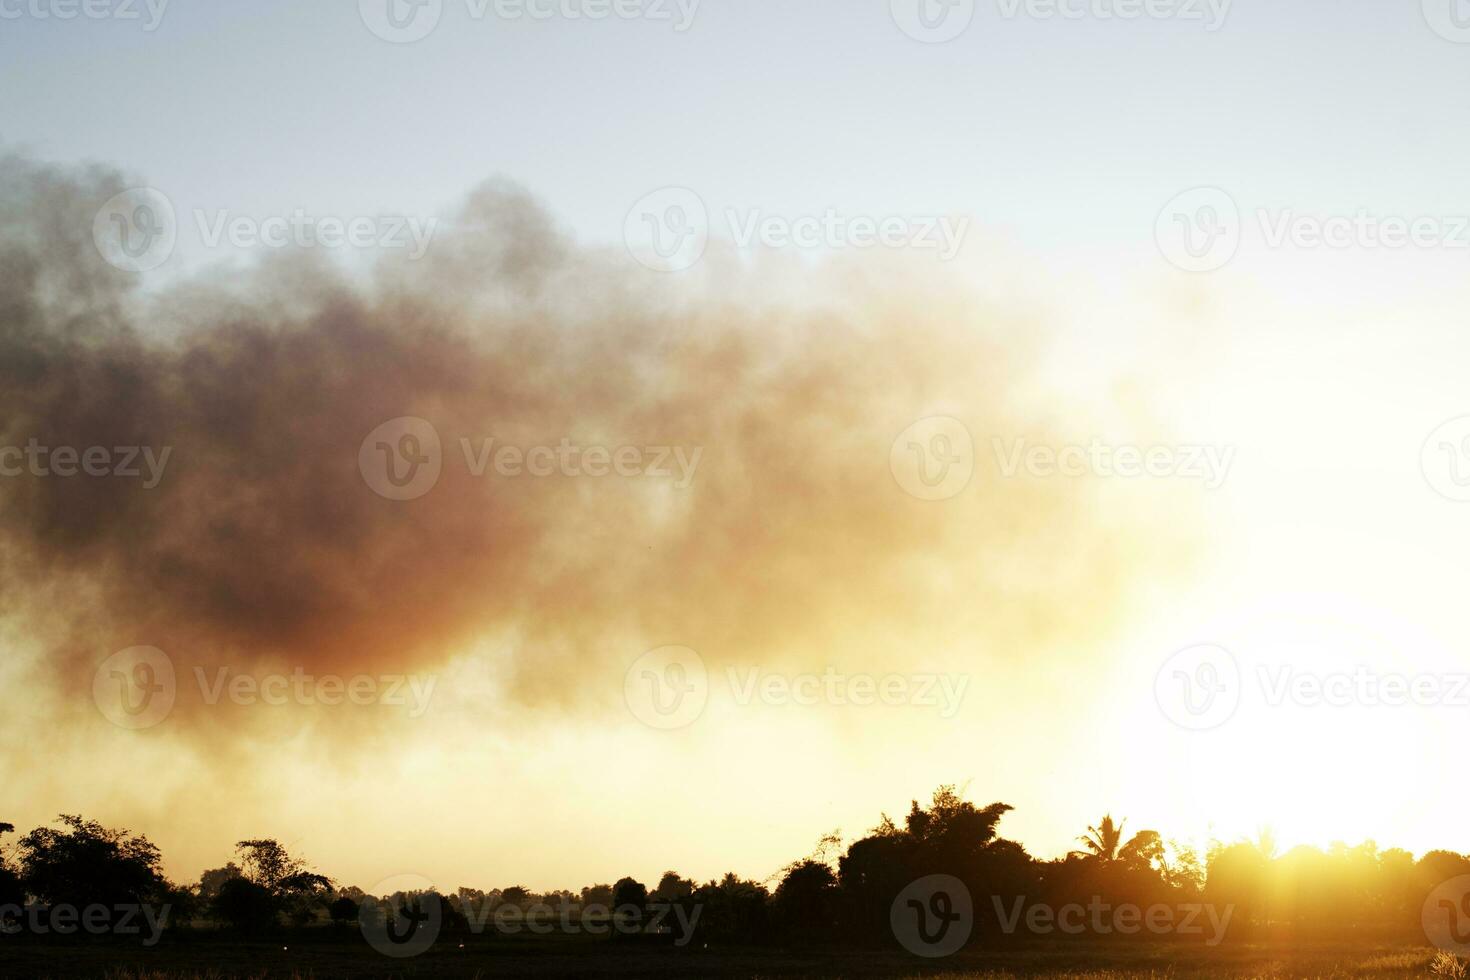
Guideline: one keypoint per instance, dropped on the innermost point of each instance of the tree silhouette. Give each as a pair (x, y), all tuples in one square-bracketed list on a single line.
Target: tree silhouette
[(268, 864), (1304, 893), (805, 903), (1104, 844), (270, 883), (211, 881), (630, 897), (343, 911), (12, 892), (247, 906), (951, 836), (670, 887), (86, 864), (734, 910)]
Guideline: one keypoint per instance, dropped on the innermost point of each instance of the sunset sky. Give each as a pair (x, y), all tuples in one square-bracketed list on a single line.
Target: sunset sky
[(1325, 381)]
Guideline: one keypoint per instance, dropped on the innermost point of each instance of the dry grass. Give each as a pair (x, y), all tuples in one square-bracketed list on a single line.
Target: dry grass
[(239, 961)]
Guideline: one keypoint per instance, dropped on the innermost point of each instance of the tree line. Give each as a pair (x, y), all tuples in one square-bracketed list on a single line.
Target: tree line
[(835, 894)]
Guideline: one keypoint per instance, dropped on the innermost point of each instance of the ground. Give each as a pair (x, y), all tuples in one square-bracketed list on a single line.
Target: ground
[(326, 958)]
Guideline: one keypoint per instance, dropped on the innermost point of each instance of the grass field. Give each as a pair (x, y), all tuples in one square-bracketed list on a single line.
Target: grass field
[(217, 959)]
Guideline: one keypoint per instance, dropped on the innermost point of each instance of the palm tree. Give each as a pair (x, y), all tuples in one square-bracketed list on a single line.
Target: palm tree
[(1104, 844)]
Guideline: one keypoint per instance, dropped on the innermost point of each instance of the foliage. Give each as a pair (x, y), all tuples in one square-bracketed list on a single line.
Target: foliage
[(832, 897), (627, 894), (247, 906), (269, 884), (806, 902), (86, 863), (343, 910)]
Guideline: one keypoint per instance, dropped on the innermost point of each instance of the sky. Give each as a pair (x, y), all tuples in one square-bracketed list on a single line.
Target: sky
[(1065, 614)]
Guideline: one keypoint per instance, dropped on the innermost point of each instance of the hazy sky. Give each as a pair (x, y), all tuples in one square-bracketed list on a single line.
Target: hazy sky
[(1053, 130), (1331, 542)]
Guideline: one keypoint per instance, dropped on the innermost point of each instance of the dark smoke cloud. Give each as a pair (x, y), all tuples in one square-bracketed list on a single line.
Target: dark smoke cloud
[(264, 548)]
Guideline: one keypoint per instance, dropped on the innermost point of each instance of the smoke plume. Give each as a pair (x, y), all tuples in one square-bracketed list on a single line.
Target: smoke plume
[(265, 545)]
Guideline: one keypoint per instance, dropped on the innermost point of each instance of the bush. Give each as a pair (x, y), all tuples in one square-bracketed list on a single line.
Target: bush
[(246, 906), (343, 910)]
